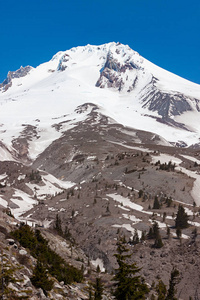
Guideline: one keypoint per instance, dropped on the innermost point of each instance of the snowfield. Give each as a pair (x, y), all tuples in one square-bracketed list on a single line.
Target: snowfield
[(50, 94)]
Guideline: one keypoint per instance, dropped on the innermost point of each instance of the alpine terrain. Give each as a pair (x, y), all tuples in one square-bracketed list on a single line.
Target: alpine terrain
[(100, 145)]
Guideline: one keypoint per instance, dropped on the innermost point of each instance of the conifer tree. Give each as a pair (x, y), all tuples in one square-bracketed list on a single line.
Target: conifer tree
[(156, 204), (58, 226), (161, 290), (40, 278), (181, 220), (174, 279), (98, 289), (154, 233), (129, 284)]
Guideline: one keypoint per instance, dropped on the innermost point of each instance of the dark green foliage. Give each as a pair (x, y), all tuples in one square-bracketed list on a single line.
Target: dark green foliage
[(66, 233), (40, 278), (174, 279), (98, 289), (181, 220), (98, 269), (7, 276), (129, 285), (35, 176), (154, 233), (156, 204), (167, 167), (140, 194), (58, 226), (164, 216), (168, 201), (90, 292), (158, 242), (161, 290), (39, 249)]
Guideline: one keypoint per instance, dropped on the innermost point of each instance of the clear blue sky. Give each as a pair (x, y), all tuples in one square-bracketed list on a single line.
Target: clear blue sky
[(167, 32)]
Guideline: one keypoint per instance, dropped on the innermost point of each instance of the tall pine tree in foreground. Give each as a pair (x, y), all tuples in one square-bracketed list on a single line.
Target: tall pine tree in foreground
[(129, 284), (98, 289)]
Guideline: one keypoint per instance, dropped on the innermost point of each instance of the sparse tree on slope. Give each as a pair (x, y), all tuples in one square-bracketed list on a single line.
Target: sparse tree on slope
[(174, 279), (129, 284), (181, 218)]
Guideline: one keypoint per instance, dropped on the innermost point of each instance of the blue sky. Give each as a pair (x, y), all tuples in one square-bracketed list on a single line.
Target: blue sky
[(167, 32)]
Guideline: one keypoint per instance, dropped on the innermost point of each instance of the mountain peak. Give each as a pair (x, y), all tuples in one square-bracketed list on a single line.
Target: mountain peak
[(21, 72), (113, 77)]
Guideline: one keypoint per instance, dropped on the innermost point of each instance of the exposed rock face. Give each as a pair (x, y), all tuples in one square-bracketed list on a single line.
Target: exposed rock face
[(62, 64), (112, 74), (23, 71), (167, 104)]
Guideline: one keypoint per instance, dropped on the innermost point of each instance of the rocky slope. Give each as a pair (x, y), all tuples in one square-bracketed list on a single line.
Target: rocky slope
[(93, 137)]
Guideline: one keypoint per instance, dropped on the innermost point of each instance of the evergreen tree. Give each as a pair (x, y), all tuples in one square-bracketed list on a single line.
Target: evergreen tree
[(158, 240), (181, 220), (154, 233), (90, 292), (98, 289), (161, 290), (168, 232), (174, 279), (129, 285), (58, 226), (40, 278), (156, 204)]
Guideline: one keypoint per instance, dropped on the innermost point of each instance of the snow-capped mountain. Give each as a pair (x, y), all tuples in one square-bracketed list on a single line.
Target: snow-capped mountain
[(39, 104), (94, 136)]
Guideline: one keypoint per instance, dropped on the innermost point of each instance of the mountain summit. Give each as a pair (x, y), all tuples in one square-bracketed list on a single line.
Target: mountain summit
[(96, 144), (123, 85)]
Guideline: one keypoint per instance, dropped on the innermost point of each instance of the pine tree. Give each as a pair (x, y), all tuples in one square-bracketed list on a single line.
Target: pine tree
[(58, 226), (161, 290), (174, 279), (129, 285), (154, 233), (158, 240), (98, 289), (40, 278), (156, 204), (181, 218), (168, 232)]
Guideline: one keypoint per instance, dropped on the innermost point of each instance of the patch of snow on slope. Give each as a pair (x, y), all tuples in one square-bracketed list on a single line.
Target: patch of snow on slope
[(5, 155), (50, 186), (3, 202), (98, 262), (23, 201), (129, 228), (165, 158), (191, 158), (60, 183), (125, 202), (3, 176), (132, 218)]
